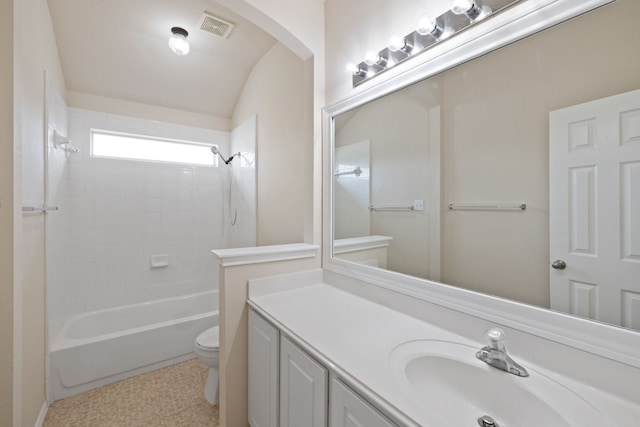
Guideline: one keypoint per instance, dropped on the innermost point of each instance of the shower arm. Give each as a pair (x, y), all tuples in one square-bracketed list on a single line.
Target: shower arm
[(214, 150)]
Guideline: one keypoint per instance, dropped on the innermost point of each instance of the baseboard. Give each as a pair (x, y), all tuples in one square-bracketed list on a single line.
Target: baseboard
[(42, 415)]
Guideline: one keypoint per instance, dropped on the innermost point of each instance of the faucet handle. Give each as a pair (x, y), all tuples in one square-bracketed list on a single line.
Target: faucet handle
[(496, 338)]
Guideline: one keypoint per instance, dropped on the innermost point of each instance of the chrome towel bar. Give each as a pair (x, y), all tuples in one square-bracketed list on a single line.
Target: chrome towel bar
[(39, 209), (488, 207), (393, 208)]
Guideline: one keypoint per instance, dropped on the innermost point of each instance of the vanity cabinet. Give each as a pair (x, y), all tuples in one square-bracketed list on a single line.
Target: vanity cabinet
[(264, 341), (289, 388), (303, 388), (350, 410)]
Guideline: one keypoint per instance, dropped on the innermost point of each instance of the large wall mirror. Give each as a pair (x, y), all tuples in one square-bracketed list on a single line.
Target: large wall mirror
[(516, 174)]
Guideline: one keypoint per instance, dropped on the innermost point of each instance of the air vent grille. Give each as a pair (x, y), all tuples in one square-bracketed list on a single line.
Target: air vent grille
[(216, 26)]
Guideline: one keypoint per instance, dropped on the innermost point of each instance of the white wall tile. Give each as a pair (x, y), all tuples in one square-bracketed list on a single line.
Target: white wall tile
[(115, 214)]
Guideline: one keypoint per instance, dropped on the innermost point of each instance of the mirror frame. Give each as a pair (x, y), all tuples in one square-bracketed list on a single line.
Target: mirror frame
[(529, 17)]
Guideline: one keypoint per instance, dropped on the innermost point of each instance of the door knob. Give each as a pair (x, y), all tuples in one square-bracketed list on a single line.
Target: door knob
[(559, 264), (486, 421)]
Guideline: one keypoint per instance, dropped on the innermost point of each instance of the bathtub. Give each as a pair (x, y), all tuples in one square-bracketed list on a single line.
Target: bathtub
[(104, 346)]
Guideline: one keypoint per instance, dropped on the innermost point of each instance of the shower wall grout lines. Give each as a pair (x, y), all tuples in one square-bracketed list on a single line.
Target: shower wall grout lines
[(115, 214)]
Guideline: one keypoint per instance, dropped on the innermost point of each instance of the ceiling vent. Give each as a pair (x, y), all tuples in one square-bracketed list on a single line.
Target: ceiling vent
[(216, 26)]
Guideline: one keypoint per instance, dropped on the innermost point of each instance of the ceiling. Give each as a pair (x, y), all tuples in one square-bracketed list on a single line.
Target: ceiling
[(118, 49)]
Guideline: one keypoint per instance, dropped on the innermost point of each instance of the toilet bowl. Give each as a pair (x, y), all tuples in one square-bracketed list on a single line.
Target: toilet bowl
[(207, 349)]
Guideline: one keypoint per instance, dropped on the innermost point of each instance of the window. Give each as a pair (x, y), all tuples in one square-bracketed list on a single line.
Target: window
[(138, 147)]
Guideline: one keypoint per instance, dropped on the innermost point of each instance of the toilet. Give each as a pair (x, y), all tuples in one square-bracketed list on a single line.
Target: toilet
[(207, 349)]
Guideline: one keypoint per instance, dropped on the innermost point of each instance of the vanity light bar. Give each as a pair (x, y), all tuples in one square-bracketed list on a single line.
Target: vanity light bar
[(462, 15)]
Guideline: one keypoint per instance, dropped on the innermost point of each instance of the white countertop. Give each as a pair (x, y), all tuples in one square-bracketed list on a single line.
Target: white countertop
[(354, 337), (353, 334)]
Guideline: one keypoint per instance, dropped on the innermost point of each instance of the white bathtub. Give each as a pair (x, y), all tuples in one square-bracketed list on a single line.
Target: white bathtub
[(101, 347)]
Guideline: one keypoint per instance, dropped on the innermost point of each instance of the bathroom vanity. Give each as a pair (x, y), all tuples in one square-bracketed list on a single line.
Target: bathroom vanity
[(326, 349), (286, 380)]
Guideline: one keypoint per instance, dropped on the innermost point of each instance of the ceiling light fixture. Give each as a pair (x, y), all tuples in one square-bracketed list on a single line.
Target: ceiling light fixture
[(178, 41)]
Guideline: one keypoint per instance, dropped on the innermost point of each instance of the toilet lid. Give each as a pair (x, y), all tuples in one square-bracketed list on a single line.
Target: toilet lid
[(209, 338)]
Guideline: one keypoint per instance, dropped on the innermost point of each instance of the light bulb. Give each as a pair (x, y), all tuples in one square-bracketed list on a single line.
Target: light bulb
[(371, 58), (356, 70), (352, 68), (178, 41), (396, 43), (426, 25), (460, 7)]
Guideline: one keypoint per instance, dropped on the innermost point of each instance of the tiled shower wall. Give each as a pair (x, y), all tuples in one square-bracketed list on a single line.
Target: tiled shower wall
[(115, 214), (243, 186)]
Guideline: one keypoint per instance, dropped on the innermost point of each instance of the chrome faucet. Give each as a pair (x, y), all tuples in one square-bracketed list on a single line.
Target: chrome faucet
[(495, 354)]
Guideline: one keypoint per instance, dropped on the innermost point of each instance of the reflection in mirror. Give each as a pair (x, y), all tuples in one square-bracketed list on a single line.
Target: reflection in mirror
[(403, 133), (483, 133), (352, 190)]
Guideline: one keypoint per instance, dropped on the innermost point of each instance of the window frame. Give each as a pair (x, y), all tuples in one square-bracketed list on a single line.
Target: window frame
[(104, 132)]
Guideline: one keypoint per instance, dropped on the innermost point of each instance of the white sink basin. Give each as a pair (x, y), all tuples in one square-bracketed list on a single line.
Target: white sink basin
[(449, 382)]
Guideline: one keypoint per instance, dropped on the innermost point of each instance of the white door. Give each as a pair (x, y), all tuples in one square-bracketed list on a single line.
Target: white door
[(303, 388), (594, 168)]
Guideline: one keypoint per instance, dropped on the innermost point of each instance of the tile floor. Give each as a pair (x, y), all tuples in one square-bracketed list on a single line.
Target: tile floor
[(168, 397)]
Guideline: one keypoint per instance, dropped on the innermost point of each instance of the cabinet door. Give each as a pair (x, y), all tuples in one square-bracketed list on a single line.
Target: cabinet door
[(303, 388), (349, 410), (263, 372)]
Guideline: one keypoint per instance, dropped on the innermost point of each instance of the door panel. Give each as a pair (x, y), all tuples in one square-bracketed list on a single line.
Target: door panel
[(303, 388), (263, 372), (594, 168), (350, 410)]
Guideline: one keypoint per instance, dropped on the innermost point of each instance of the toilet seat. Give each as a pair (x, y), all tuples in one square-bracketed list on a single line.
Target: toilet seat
[(207, 348), (209, 339)]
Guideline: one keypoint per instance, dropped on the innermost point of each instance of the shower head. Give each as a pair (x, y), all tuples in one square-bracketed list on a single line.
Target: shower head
[(215, 151)]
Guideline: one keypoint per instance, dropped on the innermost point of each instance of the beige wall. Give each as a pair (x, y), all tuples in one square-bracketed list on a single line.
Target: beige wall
[(495, 139), (275, 92), (6, 213), (35, 52), (146, 111), (300, 27)]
